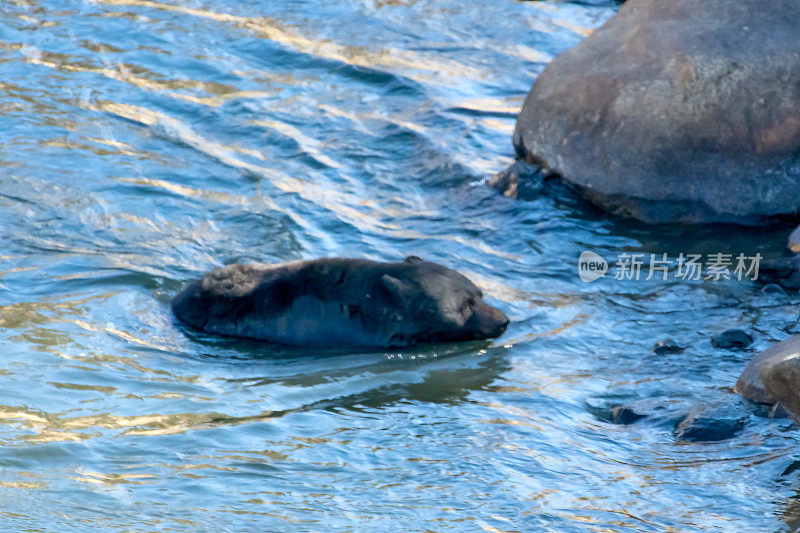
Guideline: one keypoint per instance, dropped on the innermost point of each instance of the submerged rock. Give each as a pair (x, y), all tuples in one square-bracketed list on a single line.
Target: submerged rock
[(520, 180), (773, 377), (708, 428), (615, 414), (676, 111), (782, 271), (720, 420), (667, 346), (732, 338)]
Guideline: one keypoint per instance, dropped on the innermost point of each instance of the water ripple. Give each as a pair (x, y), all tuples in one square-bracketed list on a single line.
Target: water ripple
[(147, 141)]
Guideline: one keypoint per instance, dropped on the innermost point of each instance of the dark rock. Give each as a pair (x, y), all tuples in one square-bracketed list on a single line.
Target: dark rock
[(782, 271), (667, 346), (624, 415), (782, 380), (720, 420), (708, 429), (732, 339), (773, 288), (773, 377), (676, 111), (615, 414), (520, 180)]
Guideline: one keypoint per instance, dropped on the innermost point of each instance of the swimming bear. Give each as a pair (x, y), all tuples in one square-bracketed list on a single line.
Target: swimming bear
[(340, 302)]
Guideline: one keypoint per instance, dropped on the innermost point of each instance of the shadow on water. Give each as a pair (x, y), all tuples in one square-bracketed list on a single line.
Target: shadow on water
[(428, 373), (767, 237), (216, 346), (387, 381), (790, 514), (377, 384)]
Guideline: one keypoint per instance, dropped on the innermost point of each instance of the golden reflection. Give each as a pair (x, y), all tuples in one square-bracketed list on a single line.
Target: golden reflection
[(508, 389), (63, 142), (46, 435), (121, 148), (39, 23), (49, 427), (274, 30), (260, 76), (100, 48), (8, 271), (27, 485), (99, 478), (26, 314), (143, 78), (579, 319), (583, 31), (77, 386), (171, 396), (44, 339), (513, 411), (201, 466), (399, 3), (330, 198), (269, 454), (28, 419), (33, 318), (490, 529), (42, 108), (181, 423), (151, 118), (512, 422)]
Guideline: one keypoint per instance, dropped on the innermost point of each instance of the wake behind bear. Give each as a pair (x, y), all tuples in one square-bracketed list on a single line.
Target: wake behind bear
[(340, 302)]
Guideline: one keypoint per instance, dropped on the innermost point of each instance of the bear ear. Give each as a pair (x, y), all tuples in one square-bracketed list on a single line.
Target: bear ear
[(397, 288), (413, 259)]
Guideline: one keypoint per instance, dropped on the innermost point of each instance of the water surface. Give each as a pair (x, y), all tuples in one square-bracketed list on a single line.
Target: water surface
[(144, 142)]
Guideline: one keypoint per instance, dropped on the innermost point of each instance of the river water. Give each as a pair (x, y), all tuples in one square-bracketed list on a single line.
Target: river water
[(144, 142)]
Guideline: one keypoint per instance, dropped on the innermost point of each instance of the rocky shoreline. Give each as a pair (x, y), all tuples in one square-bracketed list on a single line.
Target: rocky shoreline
[(680, 112)]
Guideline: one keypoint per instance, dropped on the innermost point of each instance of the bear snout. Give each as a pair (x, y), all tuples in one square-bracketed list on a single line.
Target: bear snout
[(490, 322)]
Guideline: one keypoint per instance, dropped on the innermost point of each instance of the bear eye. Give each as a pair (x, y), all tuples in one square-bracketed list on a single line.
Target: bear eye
[(466, 307)]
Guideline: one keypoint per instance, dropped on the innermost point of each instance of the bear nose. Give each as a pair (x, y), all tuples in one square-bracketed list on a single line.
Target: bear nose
[(502, 324), (492, 321)]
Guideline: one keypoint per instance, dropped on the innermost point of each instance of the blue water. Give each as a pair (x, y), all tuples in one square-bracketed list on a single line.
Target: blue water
[(144, 142)]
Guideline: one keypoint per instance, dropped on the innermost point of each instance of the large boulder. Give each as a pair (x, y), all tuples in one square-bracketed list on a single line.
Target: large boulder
[(773, 377), (679, 110)]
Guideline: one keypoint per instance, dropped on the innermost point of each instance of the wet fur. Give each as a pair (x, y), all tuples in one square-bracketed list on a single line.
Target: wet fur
[(340, 302)]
